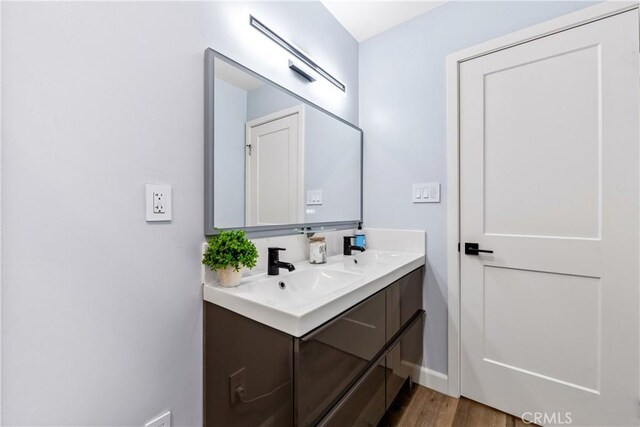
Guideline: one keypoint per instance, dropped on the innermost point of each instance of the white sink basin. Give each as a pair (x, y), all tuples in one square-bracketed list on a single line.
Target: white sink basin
[(316, 281), (362, 261), (377, 257), (297, 289), (298, 302)]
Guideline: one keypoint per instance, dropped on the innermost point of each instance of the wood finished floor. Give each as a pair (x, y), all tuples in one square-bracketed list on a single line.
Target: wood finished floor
[(424, 407)]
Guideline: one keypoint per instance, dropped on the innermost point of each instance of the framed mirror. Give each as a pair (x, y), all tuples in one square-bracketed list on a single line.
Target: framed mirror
[(275, 162)]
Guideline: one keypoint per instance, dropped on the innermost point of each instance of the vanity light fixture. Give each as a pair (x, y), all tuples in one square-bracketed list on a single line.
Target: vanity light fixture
[(302, 69), (295, 52)]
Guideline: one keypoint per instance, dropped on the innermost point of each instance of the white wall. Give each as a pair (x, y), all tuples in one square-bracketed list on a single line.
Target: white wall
[(101, 312), (402, 110)]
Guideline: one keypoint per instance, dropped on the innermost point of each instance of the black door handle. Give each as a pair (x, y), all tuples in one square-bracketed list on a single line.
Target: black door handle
[(474, 249)]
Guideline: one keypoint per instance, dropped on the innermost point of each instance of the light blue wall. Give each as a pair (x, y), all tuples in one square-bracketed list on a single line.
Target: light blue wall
[(402, 113), (230, 118)]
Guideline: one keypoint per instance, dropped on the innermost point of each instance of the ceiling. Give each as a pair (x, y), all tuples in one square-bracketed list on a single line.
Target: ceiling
[(236, 77), (365, 19)]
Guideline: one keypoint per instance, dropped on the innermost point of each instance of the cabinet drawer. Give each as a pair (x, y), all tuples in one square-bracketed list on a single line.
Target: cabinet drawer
[(403, 360), (329, 360), (404, 298), (364, 406)]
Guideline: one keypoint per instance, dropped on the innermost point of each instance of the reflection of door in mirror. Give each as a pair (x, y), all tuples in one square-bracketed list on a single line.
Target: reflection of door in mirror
[(275, 168)]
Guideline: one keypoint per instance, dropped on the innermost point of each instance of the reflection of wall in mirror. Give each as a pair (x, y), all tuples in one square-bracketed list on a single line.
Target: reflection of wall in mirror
[(332, 164), (267, 100), (230, 116)]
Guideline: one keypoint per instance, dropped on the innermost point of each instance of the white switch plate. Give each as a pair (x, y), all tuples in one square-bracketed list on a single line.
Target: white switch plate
[(158, 202), (314, 197), (426, 193), (163, 420)]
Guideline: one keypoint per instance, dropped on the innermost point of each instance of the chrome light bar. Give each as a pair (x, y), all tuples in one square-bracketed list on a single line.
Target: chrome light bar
[(295, 52)]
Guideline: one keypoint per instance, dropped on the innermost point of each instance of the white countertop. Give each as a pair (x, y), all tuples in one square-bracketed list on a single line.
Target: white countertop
[(297, 310)]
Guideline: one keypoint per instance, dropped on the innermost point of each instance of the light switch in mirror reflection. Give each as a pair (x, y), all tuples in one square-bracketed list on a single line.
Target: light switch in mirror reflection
[(272, 154)]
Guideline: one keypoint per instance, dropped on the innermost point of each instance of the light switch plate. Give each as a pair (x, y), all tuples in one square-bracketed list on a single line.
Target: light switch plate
[(314, 197), (158, 202), (426, 193), (163, 420)]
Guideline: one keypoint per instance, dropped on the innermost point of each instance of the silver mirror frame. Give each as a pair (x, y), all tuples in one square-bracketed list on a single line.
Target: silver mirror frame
[(256, 231)]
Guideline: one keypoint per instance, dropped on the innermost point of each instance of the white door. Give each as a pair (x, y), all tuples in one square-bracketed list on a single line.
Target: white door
[(274, 171), (549, 181)]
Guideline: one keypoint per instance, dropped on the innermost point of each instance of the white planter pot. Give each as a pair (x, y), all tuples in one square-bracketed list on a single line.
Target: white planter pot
[(229, 277)]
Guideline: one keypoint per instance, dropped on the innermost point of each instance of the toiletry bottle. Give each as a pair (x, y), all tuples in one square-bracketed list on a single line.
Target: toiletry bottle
[(360, 239), (317, 250)]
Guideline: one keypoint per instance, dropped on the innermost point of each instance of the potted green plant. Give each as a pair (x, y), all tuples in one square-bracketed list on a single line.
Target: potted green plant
[(228, 253)]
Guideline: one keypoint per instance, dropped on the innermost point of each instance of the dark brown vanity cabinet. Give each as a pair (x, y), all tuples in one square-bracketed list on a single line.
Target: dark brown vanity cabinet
[(346, 372)]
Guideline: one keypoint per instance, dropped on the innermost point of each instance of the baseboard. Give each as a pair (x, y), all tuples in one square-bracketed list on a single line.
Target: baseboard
[(427, 377)]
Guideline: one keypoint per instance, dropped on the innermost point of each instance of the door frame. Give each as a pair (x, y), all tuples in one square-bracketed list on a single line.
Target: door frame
[(300, 111), (0, 221), (563, 23)]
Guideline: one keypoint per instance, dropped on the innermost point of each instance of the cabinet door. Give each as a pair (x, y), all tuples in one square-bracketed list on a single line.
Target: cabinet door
[(259, 357), (331, 358), (404, 360)]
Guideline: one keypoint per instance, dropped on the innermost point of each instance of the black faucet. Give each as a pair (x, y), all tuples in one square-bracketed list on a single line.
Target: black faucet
[(347, 247), (274, 264)]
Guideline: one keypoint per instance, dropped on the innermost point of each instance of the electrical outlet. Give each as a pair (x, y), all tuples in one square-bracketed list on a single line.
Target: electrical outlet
[(163, 420), (158, 202), (236, 380)]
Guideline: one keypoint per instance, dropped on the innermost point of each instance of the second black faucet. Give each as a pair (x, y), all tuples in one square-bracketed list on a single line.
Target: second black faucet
[(347, 247)]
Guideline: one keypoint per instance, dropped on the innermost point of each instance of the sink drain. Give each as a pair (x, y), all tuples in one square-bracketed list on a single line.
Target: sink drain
[(282, 285)]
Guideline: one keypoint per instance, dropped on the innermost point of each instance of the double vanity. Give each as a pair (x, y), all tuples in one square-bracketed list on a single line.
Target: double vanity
[(300, 344), (330, 344)]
